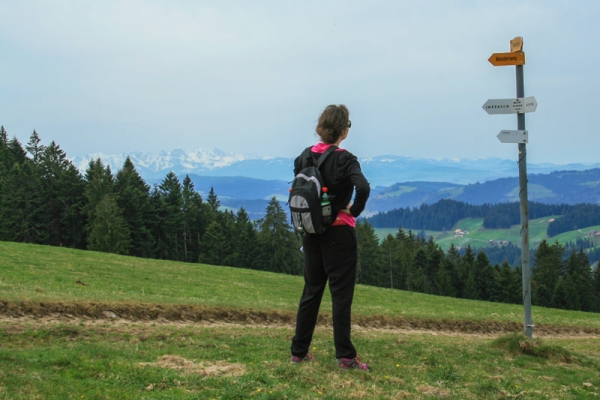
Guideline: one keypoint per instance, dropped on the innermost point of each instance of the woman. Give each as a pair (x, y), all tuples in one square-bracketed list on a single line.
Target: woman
[(333, 255)]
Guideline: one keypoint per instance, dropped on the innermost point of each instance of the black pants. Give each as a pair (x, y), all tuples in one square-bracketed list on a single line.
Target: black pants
[(332, 256)]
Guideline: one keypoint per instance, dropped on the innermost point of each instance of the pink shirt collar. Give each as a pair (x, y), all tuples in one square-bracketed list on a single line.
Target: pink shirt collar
[(321, 147)]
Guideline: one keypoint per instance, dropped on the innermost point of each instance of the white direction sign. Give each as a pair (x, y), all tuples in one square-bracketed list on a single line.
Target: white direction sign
[(510, 106), (507, 136)]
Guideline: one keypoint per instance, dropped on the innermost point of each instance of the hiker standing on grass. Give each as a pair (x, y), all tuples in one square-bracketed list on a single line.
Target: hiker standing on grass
[(332, 255)]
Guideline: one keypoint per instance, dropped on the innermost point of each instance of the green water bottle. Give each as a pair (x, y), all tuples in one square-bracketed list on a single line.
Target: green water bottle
[(326, 207)]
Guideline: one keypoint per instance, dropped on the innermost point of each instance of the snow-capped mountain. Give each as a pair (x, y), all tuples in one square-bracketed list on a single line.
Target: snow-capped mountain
[(157, 165), (382, 170)]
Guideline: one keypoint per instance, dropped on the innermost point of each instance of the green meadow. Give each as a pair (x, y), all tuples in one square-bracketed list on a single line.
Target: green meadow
[(477, 236), (86, 325)]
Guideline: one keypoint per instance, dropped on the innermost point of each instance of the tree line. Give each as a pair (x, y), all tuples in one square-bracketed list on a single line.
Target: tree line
[(409, 262), (44, 199), (442, 216)]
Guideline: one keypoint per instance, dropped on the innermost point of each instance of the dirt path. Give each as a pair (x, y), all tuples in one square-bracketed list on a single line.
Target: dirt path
[(29, 322), (123, 315)]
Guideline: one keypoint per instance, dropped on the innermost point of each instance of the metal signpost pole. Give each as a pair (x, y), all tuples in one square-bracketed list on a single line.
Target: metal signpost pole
[(519, 106), (526, 268)]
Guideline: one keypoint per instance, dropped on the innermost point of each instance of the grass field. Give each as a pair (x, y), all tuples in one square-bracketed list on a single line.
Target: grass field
[(477, 236), (82, 325)]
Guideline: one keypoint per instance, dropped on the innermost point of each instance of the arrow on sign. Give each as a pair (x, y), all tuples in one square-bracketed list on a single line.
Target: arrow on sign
[(507, 136), (510, 106), (514, 58)]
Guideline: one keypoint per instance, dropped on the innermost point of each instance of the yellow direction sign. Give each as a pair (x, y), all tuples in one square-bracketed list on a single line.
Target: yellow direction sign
[(516, 44), (500, 59)]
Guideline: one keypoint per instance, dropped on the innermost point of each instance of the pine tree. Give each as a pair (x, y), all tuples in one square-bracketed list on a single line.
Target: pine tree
[(560, 295), (579, 277), (17, 153), (413, 278), (484, 276), (195, 219), (134, 200), (470, 290), (454, 266), (548, 269), (390, 248), (168, 219), (435, 256), (109, 232), (419, 262), (34, 147), (279, 245), (509, 285), (245, 247), (573, 296), (443, 280), (63, 188), (226, 221), (22, 208), (213, 201), (99, 183), (158, 219), (468, 259), (517, 285), (371, 260), (215, 245)]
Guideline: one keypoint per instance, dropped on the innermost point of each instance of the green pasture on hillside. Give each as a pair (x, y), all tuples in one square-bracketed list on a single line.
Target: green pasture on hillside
[(477, 236), (49, 274), (62, 356)]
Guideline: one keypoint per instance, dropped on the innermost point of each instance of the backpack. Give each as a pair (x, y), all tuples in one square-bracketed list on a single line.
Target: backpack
[(305, 195)]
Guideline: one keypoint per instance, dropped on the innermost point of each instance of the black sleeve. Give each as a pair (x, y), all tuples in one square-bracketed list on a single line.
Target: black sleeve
[(361, 186)]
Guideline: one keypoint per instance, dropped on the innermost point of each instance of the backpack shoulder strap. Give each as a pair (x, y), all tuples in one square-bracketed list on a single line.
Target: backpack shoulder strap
[(327, 152)]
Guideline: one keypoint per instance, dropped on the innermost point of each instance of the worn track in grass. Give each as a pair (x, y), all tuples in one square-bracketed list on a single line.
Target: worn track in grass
[(123, 313)]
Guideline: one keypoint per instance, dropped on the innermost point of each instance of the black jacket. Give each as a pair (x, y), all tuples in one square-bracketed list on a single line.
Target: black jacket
[(341, 175)]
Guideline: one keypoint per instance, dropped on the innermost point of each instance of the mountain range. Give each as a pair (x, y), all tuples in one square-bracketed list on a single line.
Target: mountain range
[(396, 181), (382, 170)]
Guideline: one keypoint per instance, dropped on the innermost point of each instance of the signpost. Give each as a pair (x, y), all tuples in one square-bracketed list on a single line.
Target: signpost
[(516, 44), (507, 136), (510, 106), (519, 106), (500, 59)]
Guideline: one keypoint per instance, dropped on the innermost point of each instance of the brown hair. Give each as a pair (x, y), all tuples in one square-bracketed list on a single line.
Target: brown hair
[(332, 123)]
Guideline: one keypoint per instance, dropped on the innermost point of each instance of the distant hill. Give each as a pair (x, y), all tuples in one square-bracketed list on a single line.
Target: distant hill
[(568, 187)]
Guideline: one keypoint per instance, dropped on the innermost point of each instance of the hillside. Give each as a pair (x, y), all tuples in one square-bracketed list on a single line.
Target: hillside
[(40, 280), (568, 187), (82, 324)]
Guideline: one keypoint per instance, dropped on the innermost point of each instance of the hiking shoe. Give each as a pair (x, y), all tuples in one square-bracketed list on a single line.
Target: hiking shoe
[(299, 360), (352, 363)]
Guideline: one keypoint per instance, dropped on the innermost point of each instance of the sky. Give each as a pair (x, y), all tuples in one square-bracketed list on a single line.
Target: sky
[(252, 77)]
